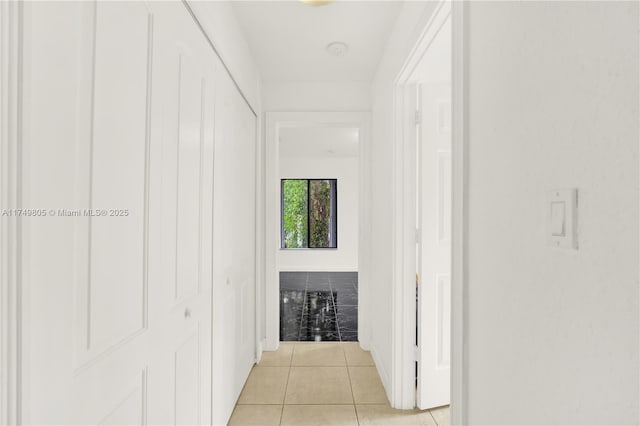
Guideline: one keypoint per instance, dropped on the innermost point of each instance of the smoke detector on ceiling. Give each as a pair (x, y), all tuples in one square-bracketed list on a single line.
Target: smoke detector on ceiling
[(337, 48)]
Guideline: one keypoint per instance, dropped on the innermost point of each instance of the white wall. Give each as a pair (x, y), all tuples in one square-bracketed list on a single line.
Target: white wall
[(553, 103), (345, 257), (221, 25), (411, 20), (316, 96)]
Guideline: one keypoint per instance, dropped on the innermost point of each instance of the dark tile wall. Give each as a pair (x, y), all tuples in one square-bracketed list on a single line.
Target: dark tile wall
[(319, 306)]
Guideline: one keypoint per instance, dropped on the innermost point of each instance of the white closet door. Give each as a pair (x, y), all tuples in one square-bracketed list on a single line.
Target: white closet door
[(118, 118), (184, 136), (234, 249)]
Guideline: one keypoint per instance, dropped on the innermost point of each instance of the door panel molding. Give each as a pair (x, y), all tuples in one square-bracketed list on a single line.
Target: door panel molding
[(183, 360), (133, 396), (190, 77), (444, 202), (89, 347), (443, 351)]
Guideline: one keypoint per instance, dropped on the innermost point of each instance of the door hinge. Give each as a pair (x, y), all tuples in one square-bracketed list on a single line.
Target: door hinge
[(418, 117), (416, 353), (418, 235)]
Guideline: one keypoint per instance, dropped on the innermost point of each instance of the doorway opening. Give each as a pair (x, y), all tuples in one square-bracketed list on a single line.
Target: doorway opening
[(316, 192), (428, 218), (318, 254)]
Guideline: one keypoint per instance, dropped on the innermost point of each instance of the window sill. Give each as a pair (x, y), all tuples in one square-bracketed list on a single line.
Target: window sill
[(308, 248)]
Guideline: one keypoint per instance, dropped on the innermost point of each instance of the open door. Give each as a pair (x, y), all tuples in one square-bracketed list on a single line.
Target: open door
[(434, 227)]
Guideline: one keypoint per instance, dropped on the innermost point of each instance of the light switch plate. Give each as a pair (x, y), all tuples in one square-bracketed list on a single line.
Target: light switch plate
[(562, 209), (558, 219)]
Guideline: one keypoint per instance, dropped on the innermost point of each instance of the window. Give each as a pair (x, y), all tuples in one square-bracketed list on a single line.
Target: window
[(309, 213)]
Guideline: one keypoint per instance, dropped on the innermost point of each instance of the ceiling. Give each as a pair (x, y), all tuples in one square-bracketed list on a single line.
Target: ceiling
[(288, 39), (316, 142)]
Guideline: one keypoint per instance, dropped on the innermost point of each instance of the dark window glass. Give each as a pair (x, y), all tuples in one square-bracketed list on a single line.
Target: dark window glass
[(309, 213)]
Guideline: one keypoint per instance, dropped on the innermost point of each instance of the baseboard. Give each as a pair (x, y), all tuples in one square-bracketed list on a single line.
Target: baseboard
[(384, 375), (267, 347), (259, 345)]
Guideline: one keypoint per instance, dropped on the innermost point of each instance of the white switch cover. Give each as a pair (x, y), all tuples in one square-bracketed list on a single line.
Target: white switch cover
[(558, 219), (562, 207)]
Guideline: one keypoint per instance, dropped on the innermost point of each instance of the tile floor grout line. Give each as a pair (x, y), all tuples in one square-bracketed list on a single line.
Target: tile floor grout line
[(434, 419), (286, 386), (353, 397), (311, 403), (335, 310), (304, 303), (321, 405)]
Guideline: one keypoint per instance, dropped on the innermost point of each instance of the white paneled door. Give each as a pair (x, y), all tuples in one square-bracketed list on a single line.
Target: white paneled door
[(184, 132), (234, 248), (434, 244), (120, 103)]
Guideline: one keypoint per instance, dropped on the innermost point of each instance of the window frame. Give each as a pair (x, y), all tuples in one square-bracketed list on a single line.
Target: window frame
[(333, 218)]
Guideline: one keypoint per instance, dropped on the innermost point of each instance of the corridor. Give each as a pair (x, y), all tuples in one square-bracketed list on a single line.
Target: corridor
[(322, 384), (209, 208)]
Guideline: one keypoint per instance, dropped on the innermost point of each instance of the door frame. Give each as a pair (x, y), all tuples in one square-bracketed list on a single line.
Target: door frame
[(273, 123), (404, 352), (11, 316)]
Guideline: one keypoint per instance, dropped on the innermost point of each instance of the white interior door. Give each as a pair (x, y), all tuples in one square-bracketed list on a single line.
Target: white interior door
[(118, 117), (434, 244), (183, 199), (234, 248)]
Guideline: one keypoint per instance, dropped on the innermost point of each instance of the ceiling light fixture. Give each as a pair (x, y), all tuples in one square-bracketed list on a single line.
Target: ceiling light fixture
[(317, 2), (337, 48)]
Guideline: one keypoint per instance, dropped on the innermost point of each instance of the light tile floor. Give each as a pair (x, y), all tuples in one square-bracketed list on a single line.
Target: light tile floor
[(322, 384)]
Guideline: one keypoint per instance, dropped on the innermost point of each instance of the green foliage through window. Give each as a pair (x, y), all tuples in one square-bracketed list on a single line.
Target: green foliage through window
[(295, 213), (309, 213)]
